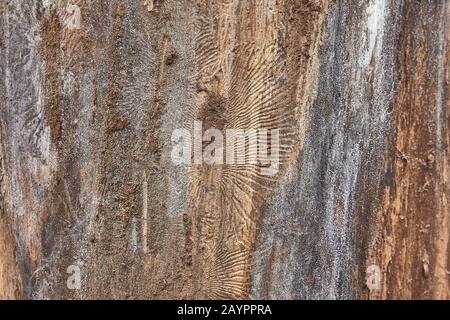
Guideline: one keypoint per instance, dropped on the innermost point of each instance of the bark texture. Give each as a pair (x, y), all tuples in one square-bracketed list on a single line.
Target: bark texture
[(358, 89)]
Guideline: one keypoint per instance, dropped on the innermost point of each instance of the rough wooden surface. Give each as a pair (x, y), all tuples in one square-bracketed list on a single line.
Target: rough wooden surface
[(358, 89)]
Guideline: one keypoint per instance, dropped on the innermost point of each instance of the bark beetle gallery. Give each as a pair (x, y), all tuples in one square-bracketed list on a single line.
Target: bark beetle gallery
[(93, 206)]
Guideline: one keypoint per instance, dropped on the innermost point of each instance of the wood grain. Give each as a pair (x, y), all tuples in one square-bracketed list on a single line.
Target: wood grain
[(358, 89)]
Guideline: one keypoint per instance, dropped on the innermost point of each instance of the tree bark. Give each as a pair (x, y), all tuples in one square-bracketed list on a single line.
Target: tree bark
[(359, 91)]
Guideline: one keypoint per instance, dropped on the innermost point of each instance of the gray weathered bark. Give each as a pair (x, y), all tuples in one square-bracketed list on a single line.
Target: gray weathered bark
[(358, 89)]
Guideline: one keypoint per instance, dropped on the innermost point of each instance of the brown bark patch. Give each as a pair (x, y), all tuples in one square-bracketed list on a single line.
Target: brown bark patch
[(51, 54)]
